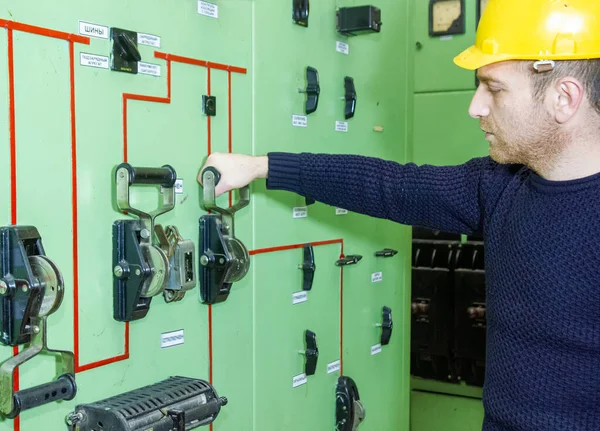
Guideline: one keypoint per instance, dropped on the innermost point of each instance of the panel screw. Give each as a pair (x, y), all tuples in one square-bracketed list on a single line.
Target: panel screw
[(3, 288), (118, 271), (203, 260), (145, 233)]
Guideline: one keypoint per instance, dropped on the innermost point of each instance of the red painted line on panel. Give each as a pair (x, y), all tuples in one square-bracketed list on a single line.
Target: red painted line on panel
[(12, 25), (230, 146), (294, 246), (13, 137), (316, 244)]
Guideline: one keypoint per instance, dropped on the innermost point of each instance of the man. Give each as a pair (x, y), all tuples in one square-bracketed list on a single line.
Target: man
[(536, 200)]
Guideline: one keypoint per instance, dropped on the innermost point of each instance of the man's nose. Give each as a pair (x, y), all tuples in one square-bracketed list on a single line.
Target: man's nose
[(479, 105)]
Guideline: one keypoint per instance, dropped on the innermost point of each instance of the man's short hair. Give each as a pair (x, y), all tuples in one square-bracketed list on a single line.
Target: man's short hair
[(586, 71)]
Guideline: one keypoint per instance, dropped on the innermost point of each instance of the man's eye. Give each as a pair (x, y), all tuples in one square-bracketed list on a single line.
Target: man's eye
[(494, 89)]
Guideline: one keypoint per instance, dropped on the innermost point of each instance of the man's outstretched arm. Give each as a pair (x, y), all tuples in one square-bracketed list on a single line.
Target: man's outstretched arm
[(446, 198)]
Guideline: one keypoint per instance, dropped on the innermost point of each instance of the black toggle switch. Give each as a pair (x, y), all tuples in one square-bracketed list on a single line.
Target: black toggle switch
[(308, 267), (350, 97), (125, 53), (313, 89), (386, 252), (311, 352), (300, 11), (351, 259), (386, 326)]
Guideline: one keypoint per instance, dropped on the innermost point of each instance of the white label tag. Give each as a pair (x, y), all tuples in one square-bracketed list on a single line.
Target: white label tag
[(299, 121), (93, 60), (179, 186), (333, 367), (341, 126), (449, 37), (208, 9), (300, 212), (376, 277), (340, 211), (93, 30), (148, 39), (299, 380), (376, 349), (170, 339), (299, 297), (148, 69), (342, 47)]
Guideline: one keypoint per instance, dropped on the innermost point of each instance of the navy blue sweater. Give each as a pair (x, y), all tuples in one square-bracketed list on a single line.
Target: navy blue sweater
[(542, 262)]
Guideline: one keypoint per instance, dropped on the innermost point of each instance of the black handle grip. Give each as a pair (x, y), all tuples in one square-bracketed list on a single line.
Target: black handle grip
[(164, 176), (63, 388), (215, 173), (128, 48)]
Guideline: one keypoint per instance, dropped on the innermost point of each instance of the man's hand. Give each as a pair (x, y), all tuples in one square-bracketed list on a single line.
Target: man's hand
[(237, 170)]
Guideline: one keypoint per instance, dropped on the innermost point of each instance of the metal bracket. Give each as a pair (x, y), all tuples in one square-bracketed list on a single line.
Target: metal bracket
[(223, 258), (31, 289), (147, 259)]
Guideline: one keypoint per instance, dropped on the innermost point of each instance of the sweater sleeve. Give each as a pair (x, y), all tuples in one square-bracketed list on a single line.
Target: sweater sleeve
[(446, 198)]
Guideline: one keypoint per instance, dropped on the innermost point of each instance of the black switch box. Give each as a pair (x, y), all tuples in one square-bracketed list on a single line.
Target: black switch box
[(470, 313), (432, 317), (352, 21)]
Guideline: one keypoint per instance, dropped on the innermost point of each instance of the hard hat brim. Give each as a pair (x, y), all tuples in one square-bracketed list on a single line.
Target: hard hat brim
[(472, 58)]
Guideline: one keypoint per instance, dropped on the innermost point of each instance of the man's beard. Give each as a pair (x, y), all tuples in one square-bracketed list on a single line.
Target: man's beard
[(536, 143)]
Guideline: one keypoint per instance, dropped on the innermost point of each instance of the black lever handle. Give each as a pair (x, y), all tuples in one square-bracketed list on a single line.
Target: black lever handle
[(386, 252), (164, 176), (129, 50), (351, 259), (308, 267), (63, 388), (386, 326), (312, 353)]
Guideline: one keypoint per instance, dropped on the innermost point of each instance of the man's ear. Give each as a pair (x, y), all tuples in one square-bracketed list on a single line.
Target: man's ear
[(567, 99)]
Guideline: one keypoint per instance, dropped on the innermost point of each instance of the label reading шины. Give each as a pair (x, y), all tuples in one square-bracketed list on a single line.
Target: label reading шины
[(93, 30)]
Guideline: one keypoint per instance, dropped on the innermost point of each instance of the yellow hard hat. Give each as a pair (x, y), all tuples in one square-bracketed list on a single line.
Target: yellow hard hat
[(534, 30)]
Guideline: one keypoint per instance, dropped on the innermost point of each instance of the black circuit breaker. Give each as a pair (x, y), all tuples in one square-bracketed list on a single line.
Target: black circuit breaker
[(432, 304), (470, 318), (353, 21), (448, 308)]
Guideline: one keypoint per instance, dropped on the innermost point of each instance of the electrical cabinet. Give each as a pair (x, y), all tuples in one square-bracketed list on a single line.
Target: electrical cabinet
[(448, 308), (433, 54), (211, 77)]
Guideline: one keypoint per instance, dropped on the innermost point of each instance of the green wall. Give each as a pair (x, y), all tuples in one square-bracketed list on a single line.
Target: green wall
[(443, 133), (247, 346)]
